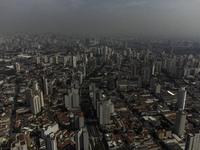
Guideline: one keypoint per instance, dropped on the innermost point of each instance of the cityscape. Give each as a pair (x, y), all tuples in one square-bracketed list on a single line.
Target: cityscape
[(99, 75), (61, 92)]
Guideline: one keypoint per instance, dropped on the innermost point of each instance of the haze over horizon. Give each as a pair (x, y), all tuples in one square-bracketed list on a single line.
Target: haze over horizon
[(169, 18)]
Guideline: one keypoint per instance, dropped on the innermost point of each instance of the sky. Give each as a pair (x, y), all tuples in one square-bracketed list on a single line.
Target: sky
[(105, 17)]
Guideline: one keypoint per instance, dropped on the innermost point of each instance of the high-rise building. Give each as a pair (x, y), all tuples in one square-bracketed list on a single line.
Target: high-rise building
[(133, 70), (139, 83), (180, 123), (103, 112), (181, 98), (51, 142), (97, 96), (37, 60), (68, 100), (146, 74), (72, 99), (28, 94), (92, 87), (153, 69), (158, 67), (85, 59), (74, 61), (28, 139), (45, 86), (35, 85), (46, 130), (35, 105), (152, 82), (56, 60), (79, 77), (82, 139), (83, 70), (94, 99), (17, 67), (64, 60), (192, 141), (79, 121), (41, 98), (45, 59), (157, 88), (51, 60)]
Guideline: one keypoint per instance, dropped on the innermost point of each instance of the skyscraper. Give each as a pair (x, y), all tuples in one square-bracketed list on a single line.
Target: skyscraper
[(68, 100), (45, 59), (51, 142), (78, 121), (139, 83), (74, 61), (157, 88), (56, 60), (35, 105), (28, 94), (17, 67), (103, 112), (82, 139), (181, 98), (37, 60), (133, 70), (45, 86), (72, 99), (146, 74), (41, 98), (79, 77), (35, 85), (158, 67), (28, 140), (192, 141), (180, 122)]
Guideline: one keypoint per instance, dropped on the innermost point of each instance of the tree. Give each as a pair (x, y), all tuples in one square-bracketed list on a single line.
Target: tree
[(17, 129), (4, 144), (99, 147), (139, 130)]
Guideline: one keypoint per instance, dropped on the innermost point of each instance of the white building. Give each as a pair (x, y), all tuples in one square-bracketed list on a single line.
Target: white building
[(35, 85), (103, 112), (35, 105), (52, 128), (74, 61), (51, 142), (192, 141), (56, 60), (17, 67), (41, 98), (180, 123), (157, 88), (45, 59), (37, 60)]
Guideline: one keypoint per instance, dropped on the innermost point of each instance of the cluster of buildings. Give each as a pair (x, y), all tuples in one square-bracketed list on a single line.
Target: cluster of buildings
[(59, 92)]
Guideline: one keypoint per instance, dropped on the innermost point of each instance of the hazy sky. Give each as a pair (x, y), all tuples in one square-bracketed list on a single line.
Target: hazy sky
[(134, 17)]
